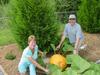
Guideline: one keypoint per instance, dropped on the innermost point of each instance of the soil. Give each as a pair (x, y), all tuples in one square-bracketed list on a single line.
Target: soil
[(10, 66), (92, 53)]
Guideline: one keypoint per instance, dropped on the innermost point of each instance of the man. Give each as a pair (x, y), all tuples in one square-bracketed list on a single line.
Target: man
[(73, 32)]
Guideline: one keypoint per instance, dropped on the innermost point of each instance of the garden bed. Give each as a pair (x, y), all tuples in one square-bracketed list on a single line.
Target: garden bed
[(10, 66)]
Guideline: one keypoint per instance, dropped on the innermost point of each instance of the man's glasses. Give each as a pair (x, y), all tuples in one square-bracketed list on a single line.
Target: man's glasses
[(72, 19)]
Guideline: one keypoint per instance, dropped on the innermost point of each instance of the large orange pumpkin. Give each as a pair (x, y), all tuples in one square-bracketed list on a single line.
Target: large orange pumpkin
[(58, 60)]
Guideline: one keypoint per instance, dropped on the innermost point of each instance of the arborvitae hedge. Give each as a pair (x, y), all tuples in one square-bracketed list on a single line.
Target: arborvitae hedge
[(34, 17)]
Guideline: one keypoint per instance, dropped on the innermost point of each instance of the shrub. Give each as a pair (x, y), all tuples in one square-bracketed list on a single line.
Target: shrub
[(34, 17), (88, 15), (4, 1), (10, 56)]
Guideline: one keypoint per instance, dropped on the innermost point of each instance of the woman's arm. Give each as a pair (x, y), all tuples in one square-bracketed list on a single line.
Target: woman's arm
[(37, 64)]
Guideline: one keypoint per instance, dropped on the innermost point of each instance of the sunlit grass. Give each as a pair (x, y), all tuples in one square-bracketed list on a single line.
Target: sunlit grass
[(6, 37)]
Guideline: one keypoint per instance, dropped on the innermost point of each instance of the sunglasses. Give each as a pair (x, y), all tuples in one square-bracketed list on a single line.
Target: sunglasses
[(72, 19)]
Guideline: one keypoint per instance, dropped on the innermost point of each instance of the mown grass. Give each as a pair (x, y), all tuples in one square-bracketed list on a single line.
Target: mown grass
[(6, 36)]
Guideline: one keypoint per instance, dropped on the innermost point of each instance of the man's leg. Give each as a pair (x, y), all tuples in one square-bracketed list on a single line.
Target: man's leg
[(32, 69)]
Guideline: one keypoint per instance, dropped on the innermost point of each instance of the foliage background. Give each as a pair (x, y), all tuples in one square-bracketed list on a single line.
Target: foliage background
[(46, 19), (88, 15), (66, 7)]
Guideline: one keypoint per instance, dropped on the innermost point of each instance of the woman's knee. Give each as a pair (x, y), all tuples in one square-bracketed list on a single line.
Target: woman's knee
[(22, 74)]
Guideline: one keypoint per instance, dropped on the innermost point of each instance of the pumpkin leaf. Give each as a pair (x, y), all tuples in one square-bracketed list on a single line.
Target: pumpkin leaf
[(70, 71), (78, 63), (95, 67), (67, 47), (57, 72), (53, 46), (79, 66), (91, 72), (52, 68)]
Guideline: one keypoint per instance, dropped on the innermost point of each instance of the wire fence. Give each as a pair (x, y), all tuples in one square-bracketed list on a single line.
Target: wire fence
[(63, 16)]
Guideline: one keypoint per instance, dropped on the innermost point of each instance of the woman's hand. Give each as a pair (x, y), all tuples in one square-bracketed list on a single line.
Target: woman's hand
[(38, 65), (46, 70)]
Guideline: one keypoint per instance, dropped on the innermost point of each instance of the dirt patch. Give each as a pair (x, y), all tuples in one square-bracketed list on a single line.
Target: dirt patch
[(92, 53), (10, 66)]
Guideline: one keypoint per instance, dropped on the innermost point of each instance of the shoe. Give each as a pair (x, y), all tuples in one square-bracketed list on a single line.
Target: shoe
[(83, 47), (98, 62)]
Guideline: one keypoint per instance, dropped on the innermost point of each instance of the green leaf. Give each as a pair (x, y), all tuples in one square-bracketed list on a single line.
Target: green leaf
[(53, 46), (40, 61), (95, 67), (67, 47), (78, 63), (52, 68), (91, 72), (70, 71), (69, 59), (57, 72)]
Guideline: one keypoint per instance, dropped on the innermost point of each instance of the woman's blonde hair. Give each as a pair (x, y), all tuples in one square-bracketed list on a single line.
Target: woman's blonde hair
[(31, 37)]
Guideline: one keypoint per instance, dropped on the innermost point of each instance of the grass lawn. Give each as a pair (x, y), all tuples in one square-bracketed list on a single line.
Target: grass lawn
[(6, 37)]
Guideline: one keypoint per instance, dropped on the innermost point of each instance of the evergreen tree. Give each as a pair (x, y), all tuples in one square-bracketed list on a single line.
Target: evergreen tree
[(34, 17)]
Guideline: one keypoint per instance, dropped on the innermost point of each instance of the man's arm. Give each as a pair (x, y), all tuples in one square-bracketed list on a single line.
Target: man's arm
[(63, 36), (62, 40), (78, 36), (76, 47)]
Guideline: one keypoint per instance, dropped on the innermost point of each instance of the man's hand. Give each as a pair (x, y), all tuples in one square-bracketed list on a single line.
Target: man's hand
[(62, 40), (58, 47)]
